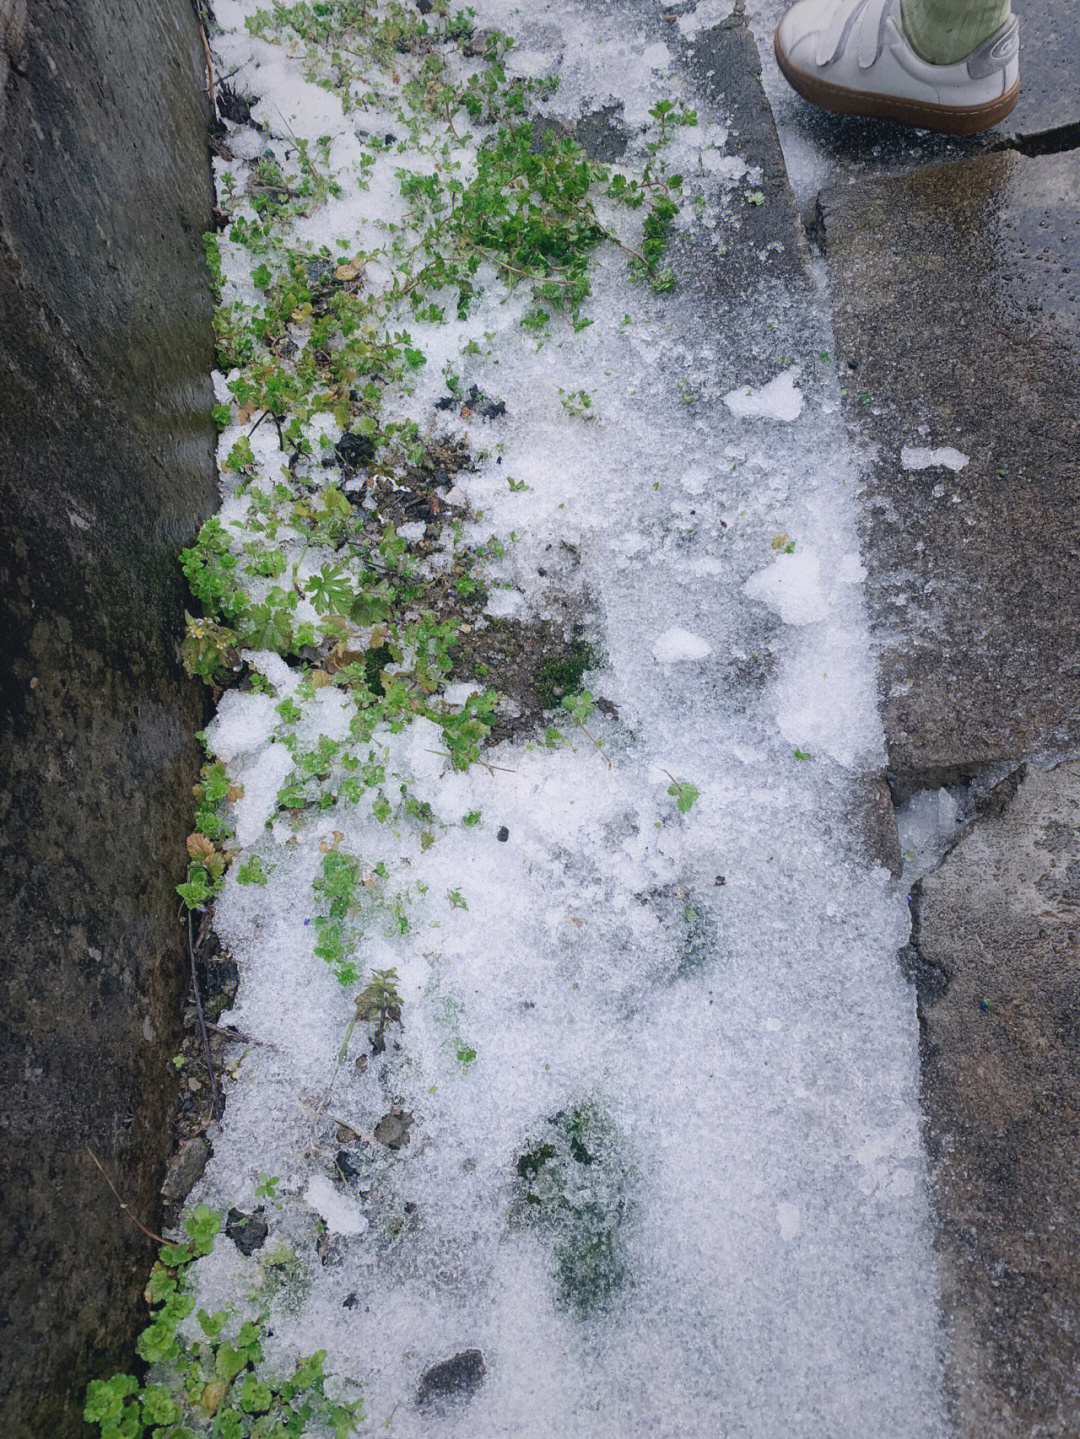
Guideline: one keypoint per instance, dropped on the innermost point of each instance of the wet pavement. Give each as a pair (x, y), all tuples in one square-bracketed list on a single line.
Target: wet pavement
[(956, 299), (996, 958)]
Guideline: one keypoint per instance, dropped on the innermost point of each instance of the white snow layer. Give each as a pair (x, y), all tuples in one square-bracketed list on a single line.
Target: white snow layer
[(780, 399), (339, 1214), (791, 587), (781, 1275), (927, 826), (679, 644), (918, 457)]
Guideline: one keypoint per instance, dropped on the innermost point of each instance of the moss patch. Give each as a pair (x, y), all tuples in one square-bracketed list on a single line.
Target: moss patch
[(575, 1183)]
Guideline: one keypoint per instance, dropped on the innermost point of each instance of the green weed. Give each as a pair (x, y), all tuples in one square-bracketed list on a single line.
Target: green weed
[(217, 1384)]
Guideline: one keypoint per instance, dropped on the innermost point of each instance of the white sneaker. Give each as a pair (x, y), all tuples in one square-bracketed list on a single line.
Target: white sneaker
[(851, 56)]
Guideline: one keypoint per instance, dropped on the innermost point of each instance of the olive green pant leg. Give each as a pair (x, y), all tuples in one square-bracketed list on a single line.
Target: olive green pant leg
[(945, 31)]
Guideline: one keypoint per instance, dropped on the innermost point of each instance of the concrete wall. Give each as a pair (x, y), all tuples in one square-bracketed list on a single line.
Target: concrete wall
[(106, 469)]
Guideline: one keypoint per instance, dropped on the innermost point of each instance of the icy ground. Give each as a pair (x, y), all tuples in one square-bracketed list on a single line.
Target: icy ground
[(721, 982)]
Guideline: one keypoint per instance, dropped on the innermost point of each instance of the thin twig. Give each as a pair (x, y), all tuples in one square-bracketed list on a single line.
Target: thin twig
[(231, 1032), (363, 1134), (148, 1232), (342, 1050), (202, 1022), (594, 742), (209, 68)]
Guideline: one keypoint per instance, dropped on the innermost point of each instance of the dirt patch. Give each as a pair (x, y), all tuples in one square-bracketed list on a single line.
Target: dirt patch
[(531, 663), (411, 492), (202, 1093)]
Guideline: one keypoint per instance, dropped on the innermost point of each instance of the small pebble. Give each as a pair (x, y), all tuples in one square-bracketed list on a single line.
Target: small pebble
[(503, 834)]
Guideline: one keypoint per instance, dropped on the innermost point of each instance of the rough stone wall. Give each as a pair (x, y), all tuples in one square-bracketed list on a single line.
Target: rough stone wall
[(106, 469)]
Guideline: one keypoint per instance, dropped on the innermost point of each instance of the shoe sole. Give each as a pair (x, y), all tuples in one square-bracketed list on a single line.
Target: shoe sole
[(922, 115)]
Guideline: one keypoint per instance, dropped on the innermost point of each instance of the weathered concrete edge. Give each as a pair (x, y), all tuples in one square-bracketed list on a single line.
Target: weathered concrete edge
[(993, 955), (106, 468)]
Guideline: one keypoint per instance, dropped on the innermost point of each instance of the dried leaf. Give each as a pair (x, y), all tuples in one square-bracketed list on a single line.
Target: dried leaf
[(213, 1394)]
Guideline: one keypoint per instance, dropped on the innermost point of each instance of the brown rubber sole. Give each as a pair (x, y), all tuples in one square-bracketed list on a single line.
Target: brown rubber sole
[(946, 119)]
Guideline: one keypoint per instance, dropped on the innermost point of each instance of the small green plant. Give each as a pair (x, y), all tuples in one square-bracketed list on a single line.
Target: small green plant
[(218, 1384), (208, 856), (683, 793), (252, 872), (801, 754), (379, 1004), (241, 456), (336, 885), (267, 1186), (578, 403), (580, 707)]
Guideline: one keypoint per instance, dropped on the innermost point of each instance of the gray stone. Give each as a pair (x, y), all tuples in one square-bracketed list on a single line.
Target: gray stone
[(106, 469), (185, 1168), (247, 1231), (996, 955), (458, 1377), (393, 1128), (957, 315)]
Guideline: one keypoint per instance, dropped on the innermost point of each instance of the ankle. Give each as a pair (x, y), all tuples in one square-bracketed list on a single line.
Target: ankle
[(944, 32)]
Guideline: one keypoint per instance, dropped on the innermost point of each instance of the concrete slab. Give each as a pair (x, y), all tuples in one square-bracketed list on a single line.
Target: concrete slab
[(996, 955), (1049, 76), (956, 295), (769, 242)]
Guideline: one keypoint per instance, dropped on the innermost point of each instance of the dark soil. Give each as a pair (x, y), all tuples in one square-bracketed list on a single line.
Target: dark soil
[(531, 662), (200, 1093), (412, 492), (234, 106), (247, 1231)]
